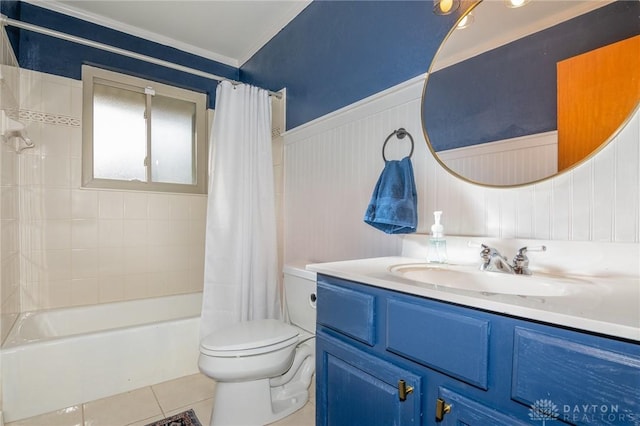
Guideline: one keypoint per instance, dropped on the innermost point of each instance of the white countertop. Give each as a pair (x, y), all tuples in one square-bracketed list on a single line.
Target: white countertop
[(609, 305)]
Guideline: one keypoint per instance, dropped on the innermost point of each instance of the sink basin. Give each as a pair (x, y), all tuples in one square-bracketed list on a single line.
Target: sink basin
[(472, 279)]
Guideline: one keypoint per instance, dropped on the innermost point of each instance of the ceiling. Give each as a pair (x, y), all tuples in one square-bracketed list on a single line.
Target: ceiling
[(227, 31), (496, 25)]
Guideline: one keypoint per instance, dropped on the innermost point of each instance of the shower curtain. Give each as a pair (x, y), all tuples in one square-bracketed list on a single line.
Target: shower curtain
[(240, 274)]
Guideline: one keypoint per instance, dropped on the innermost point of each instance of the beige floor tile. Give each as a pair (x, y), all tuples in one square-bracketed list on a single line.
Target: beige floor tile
[(201, 408), (122, 409), (146, 421), (71, 416), (183, 391)]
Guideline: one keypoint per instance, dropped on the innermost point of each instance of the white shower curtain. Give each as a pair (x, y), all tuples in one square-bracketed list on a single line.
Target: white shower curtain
[(240, 274)]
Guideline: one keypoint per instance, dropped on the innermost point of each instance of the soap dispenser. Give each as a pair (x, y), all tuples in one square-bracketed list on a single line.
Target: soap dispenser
[(437, 250)]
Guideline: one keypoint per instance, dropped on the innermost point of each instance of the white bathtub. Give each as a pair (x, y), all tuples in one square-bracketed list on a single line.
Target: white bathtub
[(62, 357)]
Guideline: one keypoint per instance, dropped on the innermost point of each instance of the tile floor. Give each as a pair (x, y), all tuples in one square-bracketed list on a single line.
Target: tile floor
[(151, 403)]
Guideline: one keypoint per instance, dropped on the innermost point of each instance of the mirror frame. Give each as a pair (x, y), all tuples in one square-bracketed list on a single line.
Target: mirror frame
[(455, 174)]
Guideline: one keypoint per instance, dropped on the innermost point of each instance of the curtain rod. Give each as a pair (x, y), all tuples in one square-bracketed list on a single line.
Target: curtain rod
[(4, 20)]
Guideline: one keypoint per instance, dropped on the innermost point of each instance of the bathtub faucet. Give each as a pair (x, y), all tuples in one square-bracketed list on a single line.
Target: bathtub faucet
[(493, 261)]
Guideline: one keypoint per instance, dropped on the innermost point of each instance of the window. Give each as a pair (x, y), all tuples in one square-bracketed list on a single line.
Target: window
[(142, 135)]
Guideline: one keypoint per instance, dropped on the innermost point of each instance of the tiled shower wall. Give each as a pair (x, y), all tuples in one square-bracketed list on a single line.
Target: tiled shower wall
[(332, 164), (86, 246)]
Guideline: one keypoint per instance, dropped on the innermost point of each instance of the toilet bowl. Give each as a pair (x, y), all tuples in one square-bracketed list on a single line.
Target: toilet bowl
[(263, 368)]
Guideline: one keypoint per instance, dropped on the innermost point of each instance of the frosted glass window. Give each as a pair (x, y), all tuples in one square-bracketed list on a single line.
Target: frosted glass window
[(119, 133), (172, 140), (142, 135)]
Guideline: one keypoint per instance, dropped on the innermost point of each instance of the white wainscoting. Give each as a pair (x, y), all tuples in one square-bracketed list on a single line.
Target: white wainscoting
[(507, 162), (332, 164)]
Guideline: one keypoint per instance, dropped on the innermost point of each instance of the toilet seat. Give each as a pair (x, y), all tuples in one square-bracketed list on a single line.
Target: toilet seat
[(250, 338)]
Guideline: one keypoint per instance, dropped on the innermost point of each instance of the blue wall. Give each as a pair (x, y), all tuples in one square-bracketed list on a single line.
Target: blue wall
[(54, 56), (333, 54), (511, 91), (338, 52)]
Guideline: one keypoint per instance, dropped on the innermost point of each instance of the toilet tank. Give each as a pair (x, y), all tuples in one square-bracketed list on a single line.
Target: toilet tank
[(300, 296)]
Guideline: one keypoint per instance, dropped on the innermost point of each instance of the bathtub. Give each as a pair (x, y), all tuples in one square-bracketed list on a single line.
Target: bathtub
[(58, 358)]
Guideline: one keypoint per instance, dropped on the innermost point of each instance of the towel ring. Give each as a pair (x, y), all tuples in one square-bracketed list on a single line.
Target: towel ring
[(400, 134)]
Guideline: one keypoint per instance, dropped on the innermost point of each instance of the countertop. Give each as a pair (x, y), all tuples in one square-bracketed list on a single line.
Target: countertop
[(608, 305)]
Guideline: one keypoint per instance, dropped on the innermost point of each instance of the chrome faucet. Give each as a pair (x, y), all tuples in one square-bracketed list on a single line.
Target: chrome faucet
[(493, 261)]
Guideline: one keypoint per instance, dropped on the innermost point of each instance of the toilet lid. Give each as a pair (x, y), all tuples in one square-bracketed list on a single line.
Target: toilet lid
[(250, 335)]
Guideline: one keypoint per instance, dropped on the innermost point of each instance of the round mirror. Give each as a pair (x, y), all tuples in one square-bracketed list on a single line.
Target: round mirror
[(521, 94)]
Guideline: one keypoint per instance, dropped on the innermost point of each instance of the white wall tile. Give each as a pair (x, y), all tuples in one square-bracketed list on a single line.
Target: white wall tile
[(76, 98), (56, 96), (31, 90), (55, 140), (136, 286), (110, 205), (56, 265), (135, 260), (111, 288), (56, 171), (158, 207), (84, 204), (84, 263), (57, 203), (84, 291), (110, 233), (134, 233), (135, 205), (56, 234), (179, 207), (110, 261)]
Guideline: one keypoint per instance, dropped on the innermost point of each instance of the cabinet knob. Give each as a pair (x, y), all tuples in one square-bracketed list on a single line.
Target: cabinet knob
[(403, 390), (442, 408)]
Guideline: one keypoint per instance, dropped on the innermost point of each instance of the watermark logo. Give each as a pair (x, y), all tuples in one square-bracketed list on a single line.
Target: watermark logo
[(543, 410)]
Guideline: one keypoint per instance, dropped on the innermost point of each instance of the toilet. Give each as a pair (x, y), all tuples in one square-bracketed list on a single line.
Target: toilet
[(263, 368)]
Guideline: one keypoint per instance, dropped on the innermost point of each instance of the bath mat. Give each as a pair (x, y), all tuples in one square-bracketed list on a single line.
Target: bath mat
[(186, 418)]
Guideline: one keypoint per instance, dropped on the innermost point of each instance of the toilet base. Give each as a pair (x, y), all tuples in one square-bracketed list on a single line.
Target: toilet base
[(253, 404)]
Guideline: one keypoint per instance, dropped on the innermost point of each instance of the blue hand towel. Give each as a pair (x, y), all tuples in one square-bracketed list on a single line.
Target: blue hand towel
[(394, 204)]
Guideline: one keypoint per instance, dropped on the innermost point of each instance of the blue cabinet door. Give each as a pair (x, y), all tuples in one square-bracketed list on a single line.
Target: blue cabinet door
[(355, 388)]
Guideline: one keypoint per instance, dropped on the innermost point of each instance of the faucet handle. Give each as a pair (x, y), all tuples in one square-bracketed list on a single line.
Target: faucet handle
[(521, 261), (523, 250), (486, 251)]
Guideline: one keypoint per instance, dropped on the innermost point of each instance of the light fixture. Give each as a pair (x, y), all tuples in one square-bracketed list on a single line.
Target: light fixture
[(515, 3), (466, 21), (445, 7)]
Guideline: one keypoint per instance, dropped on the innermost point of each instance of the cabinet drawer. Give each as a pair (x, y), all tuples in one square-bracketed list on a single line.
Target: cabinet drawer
[(465, 411), (454, 344), (347, 311), (587, 384)]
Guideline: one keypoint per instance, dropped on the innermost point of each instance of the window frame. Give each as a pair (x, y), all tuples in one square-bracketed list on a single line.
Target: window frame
[(91, 76)]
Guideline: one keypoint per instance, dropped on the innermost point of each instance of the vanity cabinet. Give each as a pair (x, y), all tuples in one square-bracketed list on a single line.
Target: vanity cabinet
[(389, 358)]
